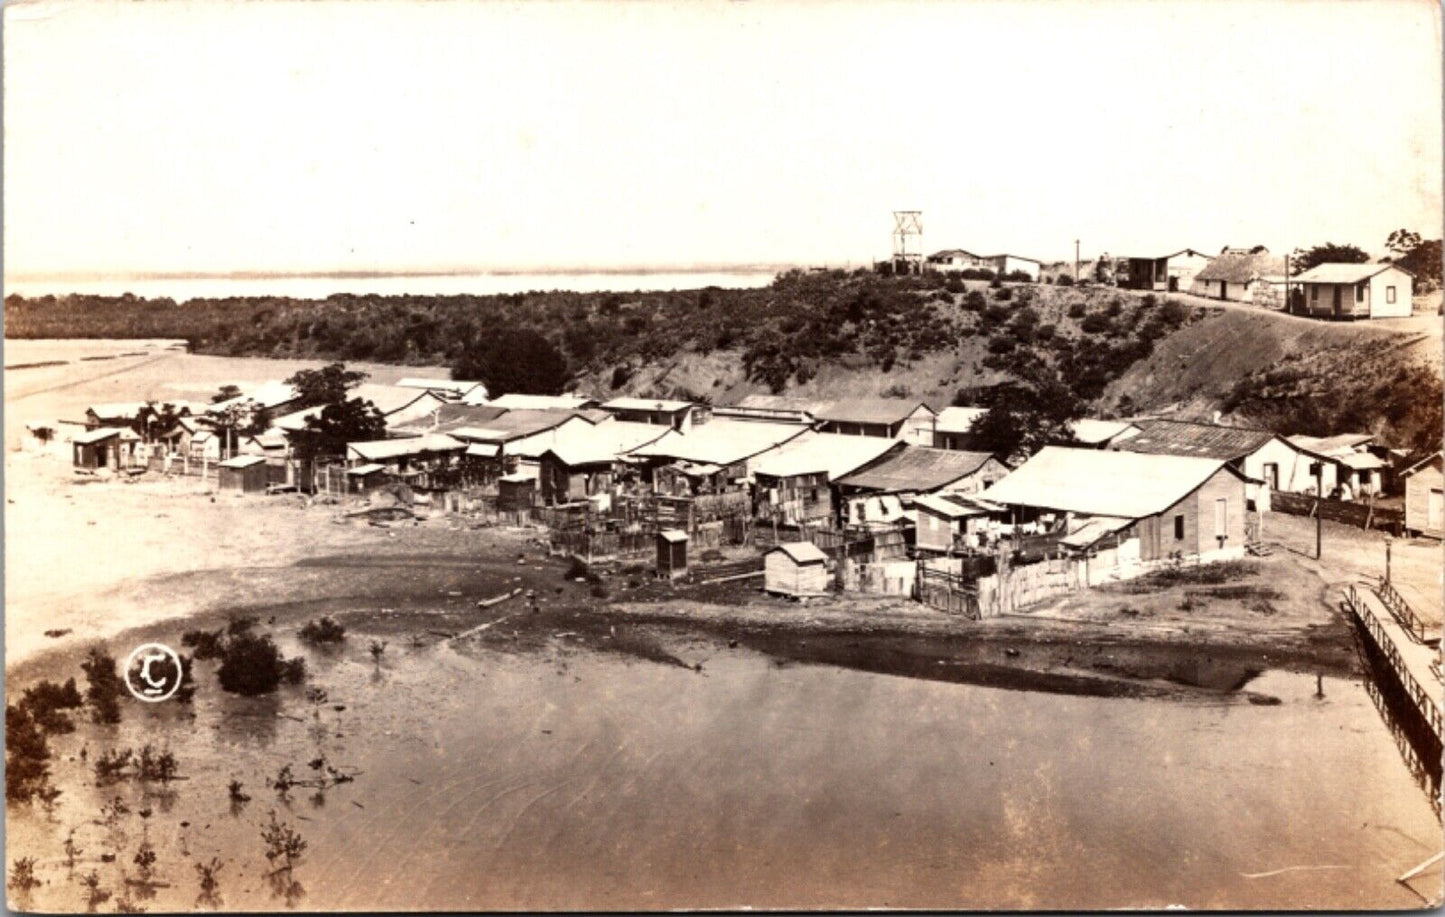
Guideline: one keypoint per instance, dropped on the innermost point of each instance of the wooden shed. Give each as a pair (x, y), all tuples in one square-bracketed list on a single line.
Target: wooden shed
[(104, 447), (671, 553), (516, 492), (1425, 497), (244, 474), (796, 569), (362, 479)]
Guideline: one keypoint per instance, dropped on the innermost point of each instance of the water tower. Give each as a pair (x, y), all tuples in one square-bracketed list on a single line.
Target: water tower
[(907, 241)]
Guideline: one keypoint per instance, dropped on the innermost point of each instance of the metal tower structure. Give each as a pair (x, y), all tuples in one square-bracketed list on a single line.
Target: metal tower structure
[(907, 241)]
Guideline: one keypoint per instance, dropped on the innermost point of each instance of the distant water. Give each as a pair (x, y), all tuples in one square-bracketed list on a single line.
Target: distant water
[(319, 287)]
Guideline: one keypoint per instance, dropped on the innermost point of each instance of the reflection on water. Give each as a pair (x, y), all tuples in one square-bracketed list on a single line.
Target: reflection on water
[(564, 778)]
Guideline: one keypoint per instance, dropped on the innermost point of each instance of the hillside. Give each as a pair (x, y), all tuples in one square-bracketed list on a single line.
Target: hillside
[(835, 334)]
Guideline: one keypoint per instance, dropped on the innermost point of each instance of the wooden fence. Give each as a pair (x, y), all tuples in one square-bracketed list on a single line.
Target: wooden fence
[(948, 592), (1360, 515)]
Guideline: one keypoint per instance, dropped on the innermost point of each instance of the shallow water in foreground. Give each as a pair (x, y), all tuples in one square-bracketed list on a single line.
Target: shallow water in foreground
[(576, 779)]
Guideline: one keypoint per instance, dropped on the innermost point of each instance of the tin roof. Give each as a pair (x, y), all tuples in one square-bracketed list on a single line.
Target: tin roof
[(646, 404), (1092, 432), (381, 449), (99, 434), (918, 469), (1126, 485), (516, 401), (1344, 273), (603, 443), (1233, 267), (950, 506), (241, 461), (832, 454), (1181, 437), (868, 410), (371, 468), (720, 441), (1331, 446), (958, 419), (801, 552)]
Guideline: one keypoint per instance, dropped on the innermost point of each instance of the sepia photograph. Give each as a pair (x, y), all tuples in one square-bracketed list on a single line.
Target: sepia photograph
[(569, 455)]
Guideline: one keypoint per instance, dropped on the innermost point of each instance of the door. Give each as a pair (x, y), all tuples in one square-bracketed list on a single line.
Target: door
[(1271, 475), (1337, 300), (1435, 514), (1221, 520)]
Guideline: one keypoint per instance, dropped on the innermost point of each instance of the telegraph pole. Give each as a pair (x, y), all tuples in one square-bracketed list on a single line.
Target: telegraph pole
[(1319, 509), (1076, 261)]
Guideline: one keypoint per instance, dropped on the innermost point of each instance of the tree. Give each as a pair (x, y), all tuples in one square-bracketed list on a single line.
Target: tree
[(327, 385), (1420, 257), (227, 393), (512, 360), (1025, 416), (152, 422), (1329, 253), (328, 431)]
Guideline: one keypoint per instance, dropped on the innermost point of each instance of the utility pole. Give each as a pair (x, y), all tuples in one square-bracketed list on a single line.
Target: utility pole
[(1076, 261), (1288, 303), (1388, 539), (1319, 509)]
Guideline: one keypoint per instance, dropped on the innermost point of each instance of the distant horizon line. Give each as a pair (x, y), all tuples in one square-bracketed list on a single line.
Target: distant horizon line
[(361, 274)]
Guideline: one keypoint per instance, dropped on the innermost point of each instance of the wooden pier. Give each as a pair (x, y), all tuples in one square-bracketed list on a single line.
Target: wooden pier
[(1409, 654)]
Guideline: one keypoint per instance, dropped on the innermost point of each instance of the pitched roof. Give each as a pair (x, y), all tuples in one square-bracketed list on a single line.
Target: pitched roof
[(867, 410), (603, 443), (1092, 528), (917, 469), (832, 454), (98, 434), (646, 404), (952, 252), (267, 394), (950, 506), (516, 401), (241, 461), (1331, 446), (801, 552), (382, 449), (1181, 437), (1103, 483), (371, 468), (117, 409), (720, 441), (388, 399), (1438, 460), (1233, 267), (958, 419), (1092, 432), (453, 387), (1344, 273)]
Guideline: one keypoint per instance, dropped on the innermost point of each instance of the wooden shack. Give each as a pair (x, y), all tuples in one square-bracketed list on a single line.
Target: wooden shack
[(365, 478), (244, 474), (516, 492), (1425, 498), (105, 447), (671, 553), (796, 569)]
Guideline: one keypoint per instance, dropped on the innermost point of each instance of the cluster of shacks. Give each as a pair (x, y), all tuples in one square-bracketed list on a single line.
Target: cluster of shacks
[(858, 480)]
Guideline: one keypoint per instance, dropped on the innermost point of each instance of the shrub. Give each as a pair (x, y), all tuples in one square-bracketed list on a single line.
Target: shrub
[(324, 630), (955, 285), (1076, 310), (156, 765), (1003, 294), (206, 643), (1094, 323), (1045, 332), (1064, 280), (995, 283), (622, 374), (293, 671), (104, 687), (250, 665), (1114, 307), (46, 700), (26, 754), (975, 301)]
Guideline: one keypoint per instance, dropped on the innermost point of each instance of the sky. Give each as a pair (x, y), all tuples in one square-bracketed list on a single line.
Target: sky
[(174, 136)]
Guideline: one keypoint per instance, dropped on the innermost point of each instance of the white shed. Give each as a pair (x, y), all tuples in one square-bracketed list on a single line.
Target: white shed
[(797, 569), (1357, 291)]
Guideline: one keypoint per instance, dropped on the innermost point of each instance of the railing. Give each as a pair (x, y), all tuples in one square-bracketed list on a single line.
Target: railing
[(1378, 635), (948, 592), (1401, 610)]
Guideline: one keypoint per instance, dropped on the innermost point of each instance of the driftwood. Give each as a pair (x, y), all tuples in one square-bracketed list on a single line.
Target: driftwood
[(481, 627), (498, 599)]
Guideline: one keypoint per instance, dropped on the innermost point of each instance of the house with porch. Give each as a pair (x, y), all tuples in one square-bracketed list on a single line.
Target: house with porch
[(1172, 273), (1425, 498), (883, 492), (793, 484), (1354, 291), (1240, 275), (1263, 458)]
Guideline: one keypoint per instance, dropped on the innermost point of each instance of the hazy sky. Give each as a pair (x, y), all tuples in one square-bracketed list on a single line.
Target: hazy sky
[(216, 136)]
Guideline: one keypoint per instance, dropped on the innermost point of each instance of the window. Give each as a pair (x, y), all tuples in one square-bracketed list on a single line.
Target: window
[(1359, 292), (1221, 519), (1314, 292), (1389, 294), (1179, 527)]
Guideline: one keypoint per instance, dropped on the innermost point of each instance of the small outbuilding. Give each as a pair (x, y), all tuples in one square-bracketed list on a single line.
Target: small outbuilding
[(1425, 497), (243, 474), (796, 569), (671, 553), (516, 491), (363, 479), (105, 447)]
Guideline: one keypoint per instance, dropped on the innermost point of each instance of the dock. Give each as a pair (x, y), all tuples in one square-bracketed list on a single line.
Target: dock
[(1405, 643)]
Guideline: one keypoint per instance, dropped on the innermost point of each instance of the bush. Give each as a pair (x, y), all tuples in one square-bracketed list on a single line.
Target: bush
[(975, 301), (1019, 277), (104, 687), (206, 643), (1077, 310), (46, 700), (250, 665), (322, 631), (1094, 323), (1003, 294), (995, 283), (1045, 332), (1064, 280), (26, 754), (955, 285)]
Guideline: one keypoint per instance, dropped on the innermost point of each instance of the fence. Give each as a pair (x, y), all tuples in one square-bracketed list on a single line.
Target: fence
[(1360, 515), (1377, 635), (602, 546), (1401, 610), (948, 592), (896, 577), (1013, 588)]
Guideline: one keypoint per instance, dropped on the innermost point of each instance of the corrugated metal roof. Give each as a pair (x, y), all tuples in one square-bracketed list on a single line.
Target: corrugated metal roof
[(721, 441), (1127, 485), (381, 449), (950, 506), (371, 468), (1438, 459), (868, 410), (1092, 432), (1180, 437), (802, 552), (917, 469), (646, 404), (603, 443), (99, 434), (514, 402), (832, 454), (1343, 273), (1331, 446), (1090, 529)]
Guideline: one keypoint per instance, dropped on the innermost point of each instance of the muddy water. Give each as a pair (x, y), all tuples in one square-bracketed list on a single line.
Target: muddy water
[(569, 778)]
